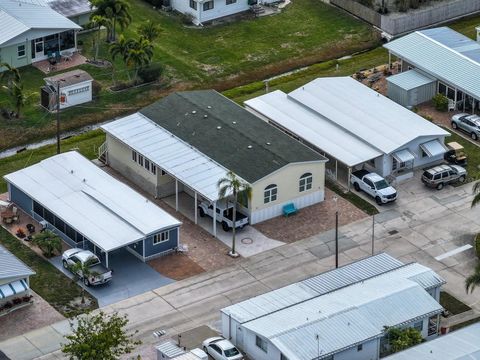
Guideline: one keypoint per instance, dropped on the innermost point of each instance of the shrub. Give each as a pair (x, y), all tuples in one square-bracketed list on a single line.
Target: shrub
[(477, 245), (150, 73), (96, 88), (440, 102)]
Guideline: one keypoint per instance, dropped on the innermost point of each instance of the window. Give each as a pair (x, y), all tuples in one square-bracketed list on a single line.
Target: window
[(360, 347), (418, 325), (163, 173), (208, 5), (147, 164), (153, 169), (38, 209), (368, 182), (261, 343), (70, 232), (79, 90), (216, 348), (193, 4), (161, 237), (305, 182), (48, 216), (229, 2), (442, 88), (134, 155), (59, 224), (270, 194), (140, 160), (21, 51)]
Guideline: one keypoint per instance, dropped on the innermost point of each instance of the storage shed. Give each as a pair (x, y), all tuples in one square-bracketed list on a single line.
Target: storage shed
[(411, 88), (75, 89)]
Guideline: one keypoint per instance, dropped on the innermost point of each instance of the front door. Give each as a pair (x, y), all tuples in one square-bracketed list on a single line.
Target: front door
[(39, 53)]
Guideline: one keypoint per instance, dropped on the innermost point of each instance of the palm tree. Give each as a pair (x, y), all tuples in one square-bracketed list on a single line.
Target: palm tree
[(120, 48), (476, 191), (149, 30), (473, 280), (235, 186), (96, 22), (17, 96), (82, 271), (11, 74), (48, 242), (118, 11), (139, 54)]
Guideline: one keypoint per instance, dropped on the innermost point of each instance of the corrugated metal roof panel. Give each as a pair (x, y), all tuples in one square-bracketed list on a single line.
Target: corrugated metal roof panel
[(70, 8), (11, 266), (170, 349), (410, 79), (463, 344), (100, 207), (10, 27), (423, 50), (168, 152)]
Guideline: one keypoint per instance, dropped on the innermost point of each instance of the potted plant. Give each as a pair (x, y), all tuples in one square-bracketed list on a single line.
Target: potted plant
[(20, 233)]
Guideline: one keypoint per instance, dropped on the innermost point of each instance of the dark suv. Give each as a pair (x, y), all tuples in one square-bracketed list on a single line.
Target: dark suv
[(441, 175)]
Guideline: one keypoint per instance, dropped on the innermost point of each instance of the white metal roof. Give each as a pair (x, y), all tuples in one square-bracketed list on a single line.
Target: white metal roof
[(378, 265), (106, 211), (25, 15), (11, 266), (170, 349), (444, 54), (433, 148), (463, 344), (354, 313), (410, 79), (344, 118), (177, 158)]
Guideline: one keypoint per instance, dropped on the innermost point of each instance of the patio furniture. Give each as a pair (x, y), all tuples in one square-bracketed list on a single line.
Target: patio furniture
[(451, 105), (289, 209), (7, 216), (30, 228), (67, 55)]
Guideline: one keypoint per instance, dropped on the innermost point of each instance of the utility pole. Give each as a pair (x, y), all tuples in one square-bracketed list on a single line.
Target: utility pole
[(336, 231), (58, 117), (373, 234)]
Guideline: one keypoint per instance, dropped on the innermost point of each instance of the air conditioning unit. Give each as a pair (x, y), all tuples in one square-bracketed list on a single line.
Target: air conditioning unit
[(199, 353)]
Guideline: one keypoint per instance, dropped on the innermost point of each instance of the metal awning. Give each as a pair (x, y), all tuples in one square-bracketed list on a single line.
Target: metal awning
[(13, 288), (403, 156), (433, 148)]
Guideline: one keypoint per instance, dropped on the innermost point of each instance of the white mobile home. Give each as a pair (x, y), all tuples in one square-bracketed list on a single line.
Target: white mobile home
[(340, 314), (354, 126)]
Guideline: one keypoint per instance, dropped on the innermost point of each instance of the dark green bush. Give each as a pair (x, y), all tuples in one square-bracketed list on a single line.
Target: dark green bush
[(477, 245), (150, 73), (440, 102)]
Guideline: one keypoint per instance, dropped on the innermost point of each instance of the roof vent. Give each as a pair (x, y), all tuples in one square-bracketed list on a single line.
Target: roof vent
[(178, 123), (209, 107), (268, 143), (71, 171), (205, 116), (249, 146), (84, 180), (234, 122), (194, 112), (219, 127)]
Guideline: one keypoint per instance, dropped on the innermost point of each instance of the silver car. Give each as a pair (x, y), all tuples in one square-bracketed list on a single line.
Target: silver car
[(468, 123)]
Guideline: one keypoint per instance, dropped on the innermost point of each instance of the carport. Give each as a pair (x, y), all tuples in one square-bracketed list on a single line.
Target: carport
[(179, 166)]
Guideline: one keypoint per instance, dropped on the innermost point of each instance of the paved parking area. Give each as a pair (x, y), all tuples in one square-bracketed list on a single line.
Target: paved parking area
[(130, 277)]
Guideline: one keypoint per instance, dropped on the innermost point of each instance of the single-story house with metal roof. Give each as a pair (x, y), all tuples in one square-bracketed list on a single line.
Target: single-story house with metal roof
[(450, 58), (187, 141), (91, 209), (31, 31), (354, 126), (78, 11), (14, 282), (339, 314), (462, 344)]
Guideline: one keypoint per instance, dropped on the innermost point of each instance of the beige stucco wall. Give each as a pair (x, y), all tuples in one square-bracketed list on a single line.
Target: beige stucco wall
[(287, 181)]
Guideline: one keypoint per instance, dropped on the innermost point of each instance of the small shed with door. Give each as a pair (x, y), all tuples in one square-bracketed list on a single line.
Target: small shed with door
[(411, 88), (75, 88)]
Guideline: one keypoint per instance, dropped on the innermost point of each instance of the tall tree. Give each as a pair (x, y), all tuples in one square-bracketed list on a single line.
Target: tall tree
[(99, 336), (139, 54), (120, 48), (10, 74), (118, 11), (18, 97), (232, 185), (96, 22), (149, 30), (473, 280)]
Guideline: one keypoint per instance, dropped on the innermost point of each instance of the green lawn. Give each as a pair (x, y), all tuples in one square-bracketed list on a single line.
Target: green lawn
[(51, 284), (473, 156)]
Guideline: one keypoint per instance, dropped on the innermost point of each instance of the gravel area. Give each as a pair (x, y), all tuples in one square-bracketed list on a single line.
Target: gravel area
[(28, 318)]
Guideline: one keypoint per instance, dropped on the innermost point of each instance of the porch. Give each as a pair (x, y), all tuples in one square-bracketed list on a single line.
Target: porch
[(68, 61)]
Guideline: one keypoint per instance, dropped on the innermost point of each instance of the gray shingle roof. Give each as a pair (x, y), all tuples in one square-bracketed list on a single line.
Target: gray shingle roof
[(10, 266), (228, 134)]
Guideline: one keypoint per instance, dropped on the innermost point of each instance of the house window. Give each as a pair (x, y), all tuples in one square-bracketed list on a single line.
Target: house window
[(21, 51), (161, 237), (261, 343), (305, 182), (163, 173), (360, 347), (270, 194), (147, 164), (140, 160), (134, 155), (193, 4), (208, 5), (229, 2), (153, 169), (442, 89), (79, 90), (418, 325), (38, 209)]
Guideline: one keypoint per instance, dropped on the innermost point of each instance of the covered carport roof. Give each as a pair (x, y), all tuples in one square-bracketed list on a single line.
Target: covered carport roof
[(174, 156), (107, 212)]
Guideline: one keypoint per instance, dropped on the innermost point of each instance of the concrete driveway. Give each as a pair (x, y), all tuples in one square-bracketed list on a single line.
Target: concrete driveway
[(130, 277)]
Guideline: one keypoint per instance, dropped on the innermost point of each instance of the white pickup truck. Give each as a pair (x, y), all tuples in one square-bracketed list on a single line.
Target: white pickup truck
[(99, 273), (374, 185), (224, 214)]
